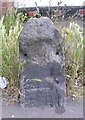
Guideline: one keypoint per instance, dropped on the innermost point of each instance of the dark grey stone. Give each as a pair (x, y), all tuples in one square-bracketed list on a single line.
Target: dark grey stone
[(41, 74)]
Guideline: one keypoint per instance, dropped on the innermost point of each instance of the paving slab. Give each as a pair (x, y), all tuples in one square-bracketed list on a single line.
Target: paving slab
[(73, 109)]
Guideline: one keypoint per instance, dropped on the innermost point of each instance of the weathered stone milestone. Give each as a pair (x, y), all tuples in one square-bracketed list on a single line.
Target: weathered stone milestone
[(41, 58)]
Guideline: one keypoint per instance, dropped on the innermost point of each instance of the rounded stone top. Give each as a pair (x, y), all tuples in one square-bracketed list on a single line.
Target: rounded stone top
[(40, 40), (38, 29)]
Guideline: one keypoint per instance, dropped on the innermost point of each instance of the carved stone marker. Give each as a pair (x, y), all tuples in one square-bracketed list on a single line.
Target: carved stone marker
[(41, 74)]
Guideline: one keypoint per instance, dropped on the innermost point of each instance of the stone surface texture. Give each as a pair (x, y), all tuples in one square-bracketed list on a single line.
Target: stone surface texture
[(41, 58)]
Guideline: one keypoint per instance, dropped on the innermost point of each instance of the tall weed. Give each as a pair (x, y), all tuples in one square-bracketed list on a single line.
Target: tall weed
[(10, 27), (73, 58)]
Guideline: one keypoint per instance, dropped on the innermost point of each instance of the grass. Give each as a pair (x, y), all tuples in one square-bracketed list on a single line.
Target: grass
[(10, 27), (73, 58)]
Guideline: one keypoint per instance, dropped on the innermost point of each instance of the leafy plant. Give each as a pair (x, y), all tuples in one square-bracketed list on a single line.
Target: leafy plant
[(10, 28), (73, 58)]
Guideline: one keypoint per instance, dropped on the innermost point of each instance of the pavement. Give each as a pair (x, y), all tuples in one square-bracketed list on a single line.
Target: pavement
[(73, 109)]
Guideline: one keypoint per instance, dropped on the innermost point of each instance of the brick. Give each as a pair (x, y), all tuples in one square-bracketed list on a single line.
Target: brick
[(4, 4)]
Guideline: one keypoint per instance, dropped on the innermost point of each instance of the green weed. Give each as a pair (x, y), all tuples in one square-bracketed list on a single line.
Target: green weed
[(10, 27), (73, 58)]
